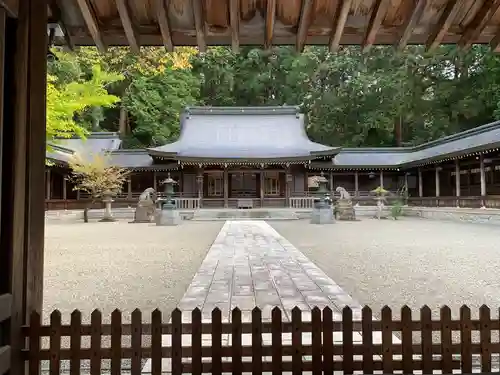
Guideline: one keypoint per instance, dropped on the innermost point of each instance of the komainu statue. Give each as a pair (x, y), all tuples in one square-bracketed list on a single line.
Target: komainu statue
[(146, 207), (343, 208)]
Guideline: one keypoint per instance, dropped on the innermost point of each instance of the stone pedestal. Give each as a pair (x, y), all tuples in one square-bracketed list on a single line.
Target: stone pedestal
[(168, 217), (344, 210), (108, 216), (322, 215), (144, 214)]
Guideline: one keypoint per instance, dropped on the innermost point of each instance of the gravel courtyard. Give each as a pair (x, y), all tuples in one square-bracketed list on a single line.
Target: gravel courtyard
[(409, 261), (110, 265)]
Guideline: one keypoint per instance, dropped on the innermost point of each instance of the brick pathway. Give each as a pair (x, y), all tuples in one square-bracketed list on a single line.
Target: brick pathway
[(250, 264)]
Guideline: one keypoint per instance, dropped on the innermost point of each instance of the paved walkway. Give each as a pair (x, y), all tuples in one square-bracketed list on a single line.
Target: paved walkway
[(250, 264)]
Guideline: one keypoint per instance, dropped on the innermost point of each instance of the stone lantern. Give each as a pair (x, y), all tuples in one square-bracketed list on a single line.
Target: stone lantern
[(322, 210), (168, 215), (107, 198)]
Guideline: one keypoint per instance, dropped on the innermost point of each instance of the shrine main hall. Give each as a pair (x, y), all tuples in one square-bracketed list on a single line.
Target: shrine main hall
[(263, 155)]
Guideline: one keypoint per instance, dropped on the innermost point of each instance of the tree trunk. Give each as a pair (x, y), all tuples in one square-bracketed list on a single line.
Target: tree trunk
[(122, 127), (86, 211), (398, 131)]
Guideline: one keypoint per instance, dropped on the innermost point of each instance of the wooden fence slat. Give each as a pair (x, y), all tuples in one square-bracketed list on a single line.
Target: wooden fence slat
[(276, 341), (347, 341), (34, 344), (136, 342), (406, 340), (75, 342), (217, 341), (485, 338), (387, 340), (446, 341), (327, 340), (55, 342), (5, 306), (196, 341), (426, 339), (95, 342), (256, 341), (367, 336), (316, 341), (176, 342), (156, 321), (236, 357), (116, 342), (297, 341), (465, 340)]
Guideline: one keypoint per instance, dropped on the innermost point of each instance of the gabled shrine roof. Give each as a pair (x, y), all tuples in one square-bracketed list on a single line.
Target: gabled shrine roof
[(211, 139), (249, 133)]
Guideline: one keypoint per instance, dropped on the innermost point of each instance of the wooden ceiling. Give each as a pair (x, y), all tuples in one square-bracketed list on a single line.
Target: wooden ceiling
[(278, 22)]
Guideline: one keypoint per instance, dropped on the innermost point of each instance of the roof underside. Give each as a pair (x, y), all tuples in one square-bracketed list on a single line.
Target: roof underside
[(260, 133), (278, 22)]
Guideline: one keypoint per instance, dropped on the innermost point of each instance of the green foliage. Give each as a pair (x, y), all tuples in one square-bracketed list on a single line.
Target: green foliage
[(69, 94), (397, 209), (351, 99), (380, 191), (155, 103)]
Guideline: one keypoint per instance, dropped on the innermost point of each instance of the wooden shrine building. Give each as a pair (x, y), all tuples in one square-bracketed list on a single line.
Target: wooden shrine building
[(262, 155)]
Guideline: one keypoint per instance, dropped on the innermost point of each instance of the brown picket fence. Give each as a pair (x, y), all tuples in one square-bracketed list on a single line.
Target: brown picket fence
[(319, 343)]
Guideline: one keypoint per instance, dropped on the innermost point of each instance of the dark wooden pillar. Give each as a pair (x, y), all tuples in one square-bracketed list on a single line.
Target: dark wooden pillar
[(226, 187), (23, 167)]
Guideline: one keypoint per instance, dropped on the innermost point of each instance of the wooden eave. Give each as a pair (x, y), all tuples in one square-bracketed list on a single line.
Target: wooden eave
[(235, 23)]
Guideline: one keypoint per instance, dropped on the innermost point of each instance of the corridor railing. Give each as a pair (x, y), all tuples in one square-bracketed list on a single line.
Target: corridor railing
[(320, 341)]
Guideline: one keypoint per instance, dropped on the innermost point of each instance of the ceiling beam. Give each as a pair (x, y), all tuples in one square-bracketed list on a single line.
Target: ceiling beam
[(162, 17), (339, 24), (199, 23), (55, 9), (270, 19), (376, 18), (304, 23), (410, 24), (128, 27), (478, 23), (444, 23), (234, 19), (92, 25)]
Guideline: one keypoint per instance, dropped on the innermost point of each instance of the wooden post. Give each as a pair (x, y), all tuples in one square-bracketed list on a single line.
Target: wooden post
[(65, 188), (381, 178), (226, 188), (356, 184), (129, 187), (482, 176), (332, 188), (262, 188), (420, 184), (48, 184), (438, 185), (457, 181)]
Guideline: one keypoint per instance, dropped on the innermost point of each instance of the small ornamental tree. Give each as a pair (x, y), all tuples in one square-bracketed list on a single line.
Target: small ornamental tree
[(95, 175)]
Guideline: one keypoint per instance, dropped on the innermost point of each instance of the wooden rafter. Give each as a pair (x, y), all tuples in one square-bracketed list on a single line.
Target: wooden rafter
[(92, 25), (55, 9), (128, 26), (304, 23), (234, 18), (495, 43), (410, 24), (376, 18), (199, 23), (444, 23), (270, 19), (478, 23), (339, 24), (162, 16)]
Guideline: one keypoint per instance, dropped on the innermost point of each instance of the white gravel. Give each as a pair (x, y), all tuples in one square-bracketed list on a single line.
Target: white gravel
[(121, 265), (409, 261)]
